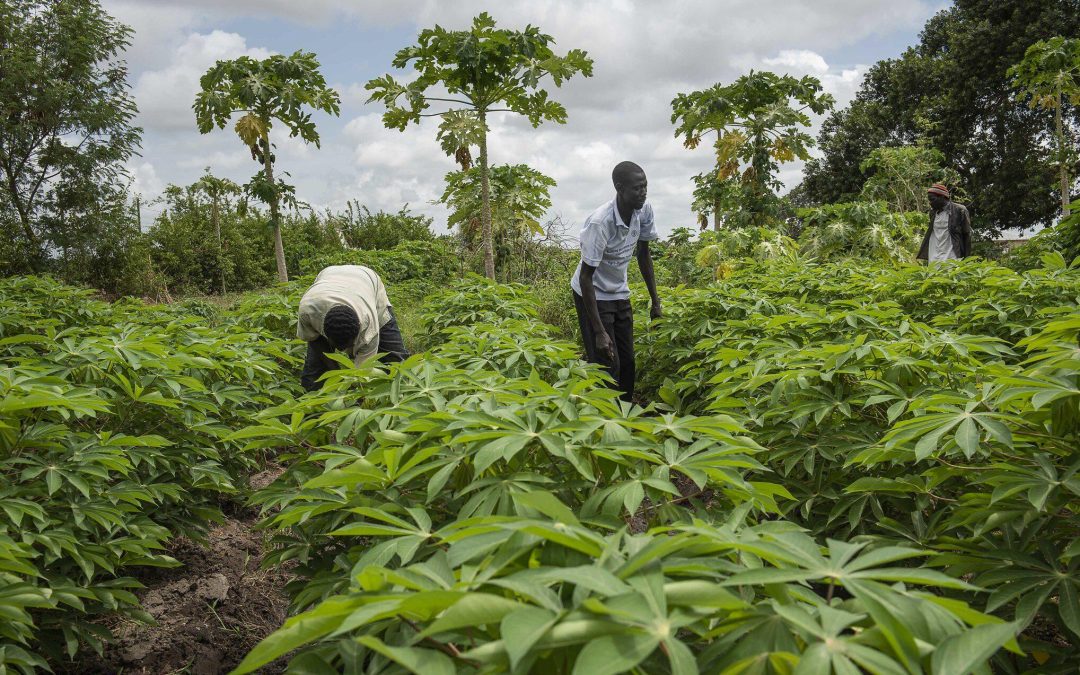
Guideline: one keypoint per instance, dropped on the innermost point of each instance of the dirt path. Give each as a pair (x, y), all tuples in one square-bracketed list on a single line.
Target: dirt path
[(209, 613)]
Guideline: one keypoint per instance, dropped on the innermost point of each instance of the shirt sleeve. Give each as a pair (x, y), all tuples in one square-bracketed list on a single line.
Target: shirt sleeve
[(304, 329), (648, 226), (365, 352), (594, 241)]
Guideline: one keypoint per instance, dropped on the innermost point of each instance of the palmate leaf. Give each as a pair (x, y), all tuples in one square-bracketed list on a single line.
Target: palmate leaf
[(924, 434)]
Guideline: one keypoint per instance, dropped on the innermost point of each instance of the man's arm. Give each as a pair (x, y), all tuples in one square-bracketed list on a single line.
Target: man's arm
[(644, 261), (314, 364), (588, 296), (967, 232)]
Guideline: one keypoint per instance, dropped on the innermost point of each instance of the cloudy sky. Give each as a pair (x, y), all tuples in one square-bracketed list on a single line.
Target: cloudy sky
[(644, 52)]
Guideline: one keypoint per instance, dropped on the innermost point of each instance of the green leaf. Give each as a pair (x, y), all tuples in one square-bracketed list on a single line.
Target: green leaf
[(1069, 606), (613, 654), (681, 658), (960, 654), (522, 628), (474, 609), (967, 436), (416, 660), (547, 504), (298, 631)]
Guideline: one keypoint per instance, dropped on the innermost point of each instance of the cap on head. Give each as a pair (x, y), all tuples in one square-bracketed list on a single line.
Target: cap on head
[(341, 325), (938, 189), (623, 171)]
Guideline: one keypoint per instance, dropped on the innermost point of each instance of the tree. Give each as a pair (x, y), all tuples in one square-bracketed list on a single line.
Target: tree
[(276, 88), (952, 92), (900, 175), (757, 121), (65, 130), (217, 190), (712, 196), (520, 195), (1050, 76), (481, 69)]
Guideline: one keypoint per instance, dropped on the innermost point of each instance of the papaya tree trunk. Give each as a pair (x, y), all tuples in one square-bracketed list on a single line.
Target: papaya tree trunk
[(275, 220), (716, 215), (216, 220), (1062, 164), (485, 205)]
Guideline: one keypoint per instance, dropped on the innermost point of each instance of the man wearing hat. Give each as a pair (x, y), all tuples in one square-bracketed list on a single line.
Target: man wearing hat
[(948, 236)]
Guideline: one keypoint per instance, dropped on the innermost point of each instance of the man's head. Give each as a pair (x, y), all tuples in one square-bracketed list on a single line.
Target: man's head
[(630, 184), (938, 195), (341, 326)]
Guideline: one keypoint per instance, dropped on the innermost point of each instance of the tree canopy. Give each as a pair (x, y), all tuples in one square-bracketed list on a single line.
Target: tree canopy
[(482, 70), (276, 88), (758, 121), (66, 129), (1050, 76), (952, 91)]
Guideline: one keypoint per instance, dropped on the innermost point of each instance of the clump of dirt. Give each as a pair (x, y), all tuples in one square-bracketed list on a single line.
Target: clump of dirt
[(210, 612)]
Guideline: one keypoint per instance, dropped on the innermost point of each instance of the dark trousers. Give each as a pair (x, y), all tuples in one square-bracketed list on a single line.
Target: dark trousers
[(390, 341), (618, 320)]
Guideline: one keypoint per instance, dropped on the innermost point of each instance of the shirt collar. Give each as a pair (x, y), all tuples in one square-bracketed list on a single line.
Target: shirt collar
[(618, 216)]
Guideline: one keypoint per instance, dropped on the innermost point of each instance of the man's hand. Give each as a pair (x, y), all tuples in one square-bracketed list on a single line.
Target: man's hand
[(656, 312), (604, 346)]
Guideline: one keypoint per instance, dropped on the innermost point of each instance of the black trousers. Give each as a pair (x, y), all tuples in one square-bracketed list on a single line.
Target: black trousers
[(390, 341), (618, 320)]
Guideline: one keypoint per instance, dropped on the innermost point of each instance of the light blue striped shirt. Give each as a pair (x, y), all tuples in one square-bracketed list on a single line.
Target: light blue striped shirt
[(608, 244)]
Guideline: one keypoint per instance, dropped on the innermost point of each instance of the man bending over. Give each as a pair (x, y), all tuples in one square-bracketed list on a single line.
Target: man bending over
[(346, 310), (609, 238)]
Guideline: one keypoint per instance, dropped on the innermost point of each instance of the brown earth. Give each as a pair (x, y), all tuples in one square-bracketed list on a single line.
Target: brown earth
[(210, 612)]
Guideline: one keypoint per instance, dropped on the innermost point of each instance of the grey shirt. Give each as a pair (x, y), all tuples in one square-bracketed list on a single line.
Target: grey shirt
[(941, 247)]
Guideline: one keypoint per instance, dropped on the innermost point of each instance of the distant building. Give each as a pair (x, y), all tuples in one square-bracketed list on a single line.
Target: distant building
[(1010, 244)]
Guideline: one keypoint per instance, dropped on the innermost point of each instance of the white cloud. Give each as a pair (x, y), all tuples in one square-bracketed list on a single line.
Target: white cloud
[(802, 60), (145, 180), (165, 96), (645, 52)]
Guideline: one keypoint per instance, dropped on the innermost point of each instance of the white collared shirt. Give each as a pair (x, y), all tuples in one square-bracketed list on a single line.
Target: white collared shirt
[(608, 244)]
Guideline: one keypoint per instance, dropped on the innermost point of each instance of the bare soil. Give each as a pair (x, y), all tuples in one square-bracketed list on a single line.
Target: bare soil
[(210, 612)]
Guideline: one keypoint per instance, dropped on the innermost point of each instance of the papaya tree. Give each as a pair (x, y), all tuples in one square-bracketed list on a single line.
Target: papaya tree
[(520, 195), (481, 70), (277, 88), (217, 190), (758, 122), (1050, 75)]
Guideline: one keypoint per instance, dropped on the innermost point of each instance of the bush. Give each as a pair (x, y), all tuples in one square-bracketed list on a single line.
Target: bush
[(860, 230), (934, 406), (362, 229)]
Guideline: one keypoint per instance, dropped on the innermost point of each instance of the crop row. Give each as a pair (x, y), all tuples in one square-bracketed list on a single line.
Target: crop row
[(112, 441), (491, 506)]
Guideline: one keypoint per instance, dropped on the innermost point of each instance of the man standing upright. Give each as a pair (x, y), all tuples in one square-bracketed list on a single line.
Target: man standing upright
[(948, 236), (609, 238)]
